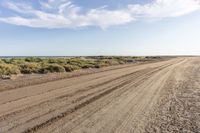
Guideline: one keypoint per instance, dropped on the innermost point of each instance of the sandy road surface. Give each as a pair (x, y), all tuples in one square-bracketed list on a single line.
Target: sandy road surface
[(138, 98)]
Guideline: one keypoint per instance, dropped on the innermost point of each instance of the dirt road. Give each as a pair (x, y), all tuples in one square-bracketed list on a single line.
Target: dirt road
[(155, 97)]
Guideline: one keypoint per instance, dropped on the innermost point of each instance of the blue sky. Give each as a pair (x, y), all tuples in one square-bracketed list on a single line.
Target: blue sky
[(99, 27)]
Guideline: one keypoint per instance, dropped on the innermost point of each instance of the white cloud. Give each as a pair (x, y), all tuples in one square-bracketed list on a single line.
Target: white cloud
[(165, 8), (64, 14)]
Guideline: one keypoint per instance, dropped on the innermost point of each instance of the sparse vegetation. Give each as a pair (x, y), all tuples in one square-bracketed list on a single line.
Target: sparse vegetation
[(8, 69), (31, 67), (10, 66), (70, 68), (51, 68)]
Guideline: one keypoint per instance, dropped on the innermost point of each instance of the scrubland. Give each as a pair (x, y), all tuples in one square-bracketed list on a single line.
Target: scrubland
[(29, 65)]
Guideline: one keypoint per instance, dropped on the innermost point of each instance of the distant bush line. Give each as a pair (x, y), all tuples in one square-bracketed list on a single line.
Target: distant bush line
[(13, 66)]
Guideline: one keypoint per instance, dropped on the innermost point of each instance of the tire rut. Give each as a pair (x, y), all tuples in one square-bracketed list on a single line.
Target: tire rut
[(93, 99)]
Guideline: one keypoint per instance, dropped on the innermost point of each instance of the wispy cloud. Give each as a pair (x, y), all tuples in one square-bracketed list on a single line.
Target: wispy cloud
[(64, 14)]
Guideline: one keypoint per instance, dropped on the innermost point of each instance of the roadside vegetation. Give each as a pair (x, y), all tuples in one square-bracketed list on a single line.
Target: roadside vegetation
[(29, 65)]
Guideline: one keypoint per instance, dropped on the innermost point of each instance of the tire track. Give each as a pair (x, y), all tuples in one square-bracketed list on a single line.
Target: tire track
[(105, 89), (93, 99)]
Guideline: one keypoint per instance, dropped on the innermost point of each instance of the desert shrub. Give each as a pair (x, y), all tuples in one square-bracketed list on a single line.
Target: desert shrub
[(88, 65), (28, 68), (8, 61), (79, 63), (61, 61), (101, 64), (57, 60), (121, 62), (152, 57), (52, 60), (74, 61), (17, 61), (50, 68), (70, 68), (8, 69), (33, 59), (113, 62), (130, 61), (1, 61)]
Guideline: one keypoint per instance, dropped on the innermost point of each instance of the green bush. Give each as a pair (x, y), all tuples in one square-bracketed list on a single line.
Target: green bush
[(61, 61), (28, 68), (51, 68), (8, 61), (70, 68), (17, 61), (33, 59), (88, 65), (8, 69), (57, 60)]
